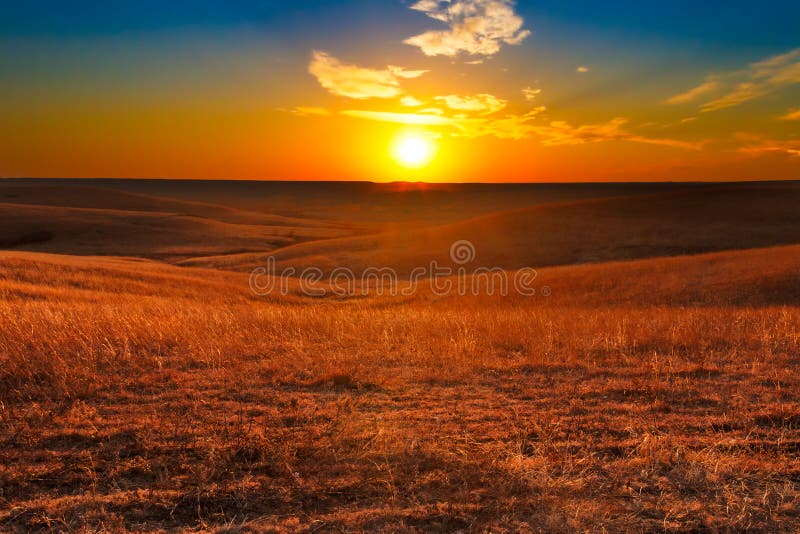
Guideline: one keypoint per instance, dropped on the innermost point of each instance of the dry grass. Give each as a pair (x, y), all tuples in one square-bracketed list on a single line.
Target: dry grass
[(677, 223), (137, 396), (68, 219)]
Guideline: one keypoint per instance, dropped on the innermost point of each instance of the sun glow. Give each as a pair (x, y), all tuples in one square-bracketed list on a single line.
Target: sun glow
[(413, 149)]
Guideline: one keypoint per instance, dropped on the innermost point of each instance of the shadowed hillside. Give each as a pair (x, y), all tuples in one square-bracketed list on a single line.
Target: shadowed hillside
[(375, 206), (88, 220), (151, 234), (84, 196), (622, 228)]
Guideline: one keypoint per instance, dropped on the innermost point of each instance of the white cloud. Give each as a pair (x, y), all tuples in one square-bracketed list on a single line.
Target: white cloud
[(482, 103), (400, 72), (410, 102), (530, 93), (352, 81), (735, 88), (475, 27)]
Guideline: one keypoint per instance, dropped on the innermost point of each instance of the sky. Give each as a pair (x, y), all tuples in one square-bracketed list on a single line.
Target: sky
[(499, 91)]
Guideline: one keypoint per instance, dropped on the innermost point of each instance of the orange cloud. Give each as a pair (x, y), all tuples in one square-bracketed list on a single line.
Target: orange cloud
[(695, 93), (563, 133), (306, 111), (791, 115)]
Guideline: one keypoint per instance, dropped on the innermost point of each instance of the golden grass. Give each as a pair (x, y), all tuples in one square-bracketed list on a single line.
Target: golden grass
[(137, 396)]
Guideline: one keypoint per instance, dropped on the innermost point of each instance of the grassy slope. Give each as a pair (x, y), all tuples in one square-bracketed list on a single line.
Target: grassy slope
[(667, 224), (639, 396), (84, 220), (73, 196)]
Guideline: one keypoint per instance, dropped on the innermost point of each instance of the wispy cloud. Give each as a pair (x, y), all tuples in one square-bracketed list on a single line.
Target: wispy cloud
[(512, 126), (735, 88), (563, 133), (482, 103), (474, 27), (307, 111), (416, 119), (352, 81), (583, 69), (709, 86), (757, 145), (791, 115), (523, 126), (410, 102), (508, 127), (530, 93)]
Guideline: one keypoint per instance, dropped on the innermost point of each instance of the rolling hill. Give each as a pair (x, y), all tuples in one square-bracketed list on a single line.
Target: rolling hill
[(621, 228), (96, 221)]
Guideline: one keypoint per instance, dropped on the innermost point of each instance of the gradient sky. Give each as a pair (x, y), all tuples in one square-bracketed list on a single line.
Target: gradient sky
[(311, 89)]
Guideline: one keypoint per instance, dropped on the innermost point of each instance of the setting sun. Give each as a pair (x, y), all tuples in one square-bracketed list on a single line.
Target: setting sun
[(413, 150)]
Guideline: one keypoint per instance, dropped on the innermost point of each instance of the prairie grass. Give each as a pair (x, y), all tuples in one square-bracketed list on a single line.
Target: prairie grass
[(136, 396)]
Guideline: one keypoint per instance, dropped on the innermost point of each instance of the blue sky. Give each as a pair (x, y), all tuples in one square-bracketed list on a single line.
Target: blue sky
[(735, 25), (256, 56)]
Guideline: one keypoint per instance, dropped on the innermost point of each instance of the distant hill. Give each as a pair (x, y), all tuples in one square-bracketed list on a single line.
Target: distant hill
[(146, 234), (83, 196), (622, 228)]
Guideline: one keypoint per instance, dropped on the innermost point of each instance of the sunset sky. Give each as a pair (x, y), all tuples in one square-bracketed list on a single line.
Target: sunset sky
[(547, 90)]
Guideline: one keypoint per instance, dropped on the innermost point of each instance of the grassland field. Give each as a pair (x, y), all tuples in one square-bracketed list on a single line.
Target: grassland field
[(144, 387)]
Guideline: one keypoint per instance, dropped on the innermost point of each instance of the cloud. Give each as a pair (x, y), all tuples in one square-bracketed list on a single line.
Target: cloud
[(417, 119), (307, 111), (351, 81), (735, 88), (582, 69), (562, 133), (482, 103), (410, 102), (475, 27), (400, 72), (522, 126), (740, 94), (695, 93), (530, 93), (757, 145), (791, 115), (509, 127)]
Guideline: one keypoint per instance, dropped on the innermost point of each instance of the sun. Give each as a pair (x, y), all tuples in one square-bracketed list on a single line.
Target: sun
[(413, 149)]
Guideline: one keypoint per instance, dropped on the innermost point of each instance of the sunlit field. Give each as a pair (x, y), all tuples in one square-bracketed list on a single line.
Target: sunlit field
[(141, 396)]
